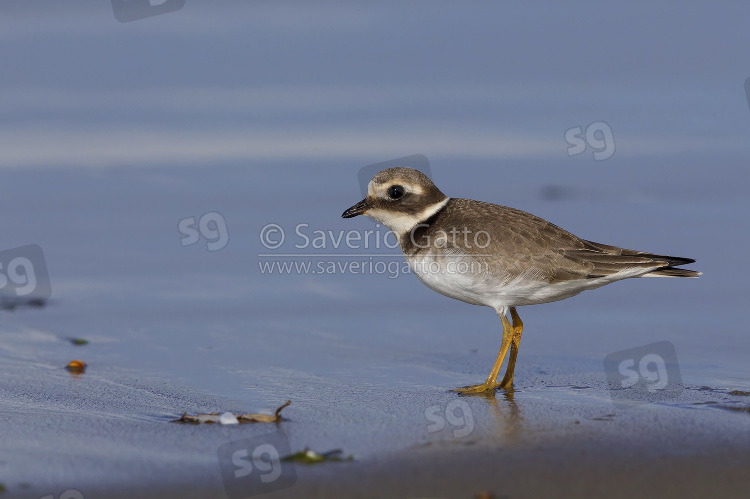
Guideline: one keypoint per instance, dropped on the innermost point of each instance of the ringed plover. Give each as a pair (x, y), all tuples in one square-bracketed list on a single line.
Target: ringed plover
[(496, 256)]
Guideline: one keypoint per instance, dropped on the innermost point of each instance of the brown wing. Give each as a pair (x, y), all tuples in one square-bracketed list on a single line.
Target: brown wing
[(531, 246)]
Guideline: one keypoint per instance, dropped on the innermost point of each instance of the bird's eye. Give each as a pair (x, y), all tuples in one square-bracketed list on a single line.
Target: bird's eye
[(395, 191)]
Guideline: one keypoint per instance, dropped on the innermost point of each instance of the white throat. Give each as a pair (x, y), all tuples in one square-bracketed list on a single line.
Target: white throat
[(402, 223)]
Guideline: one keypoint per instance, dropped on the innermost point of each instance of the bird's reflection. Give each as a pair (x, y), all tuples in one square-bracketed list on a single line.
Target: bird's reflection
[(507, 418)]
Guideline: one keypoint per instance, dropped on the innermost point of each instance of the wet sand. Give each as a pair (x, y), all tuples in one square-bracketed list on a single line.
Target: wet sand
[(107, 434)]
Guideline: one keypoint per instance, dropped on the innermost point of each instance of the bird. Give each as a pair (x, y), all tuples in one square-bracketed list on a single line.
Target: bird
[(496, 256)]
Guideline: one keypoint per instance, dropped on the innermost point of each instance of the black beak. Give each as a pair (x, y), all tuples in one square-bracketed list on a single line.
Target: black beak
[(357, 209)]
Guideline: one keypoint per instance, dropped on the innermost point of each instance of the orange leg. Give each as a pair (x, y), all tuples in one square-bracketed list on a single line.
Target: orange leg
[(507, 381), (491, 383)]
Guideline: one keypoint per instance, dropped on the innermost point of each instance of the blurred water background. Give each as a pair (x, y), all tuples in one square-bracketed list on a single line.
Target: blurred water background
[(112, 133)]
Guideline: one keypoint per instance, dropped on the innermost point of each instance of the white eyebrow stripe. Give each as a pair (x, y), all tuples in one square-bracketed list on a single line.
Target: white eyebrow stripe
[(409, 186)]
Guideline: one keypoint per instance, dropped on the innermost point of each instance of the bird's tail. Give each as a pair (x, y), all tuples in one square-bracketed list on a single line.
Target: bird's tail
[(614, 258), (672, 272)]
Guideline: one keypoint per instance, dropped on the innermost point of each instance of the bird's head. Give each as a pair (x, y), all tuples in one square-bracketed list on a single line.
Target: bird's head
[(399, 198)]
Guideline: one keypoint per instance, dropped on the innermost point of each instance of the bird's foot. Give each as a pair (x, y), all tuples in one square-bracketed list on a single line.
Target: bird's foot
[(506, 383), (483, 388)]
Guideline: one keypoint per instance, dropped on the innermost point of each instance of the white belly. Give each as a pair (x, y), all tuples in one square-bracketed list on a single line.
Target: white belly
[(452, 279), (463, 279)]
